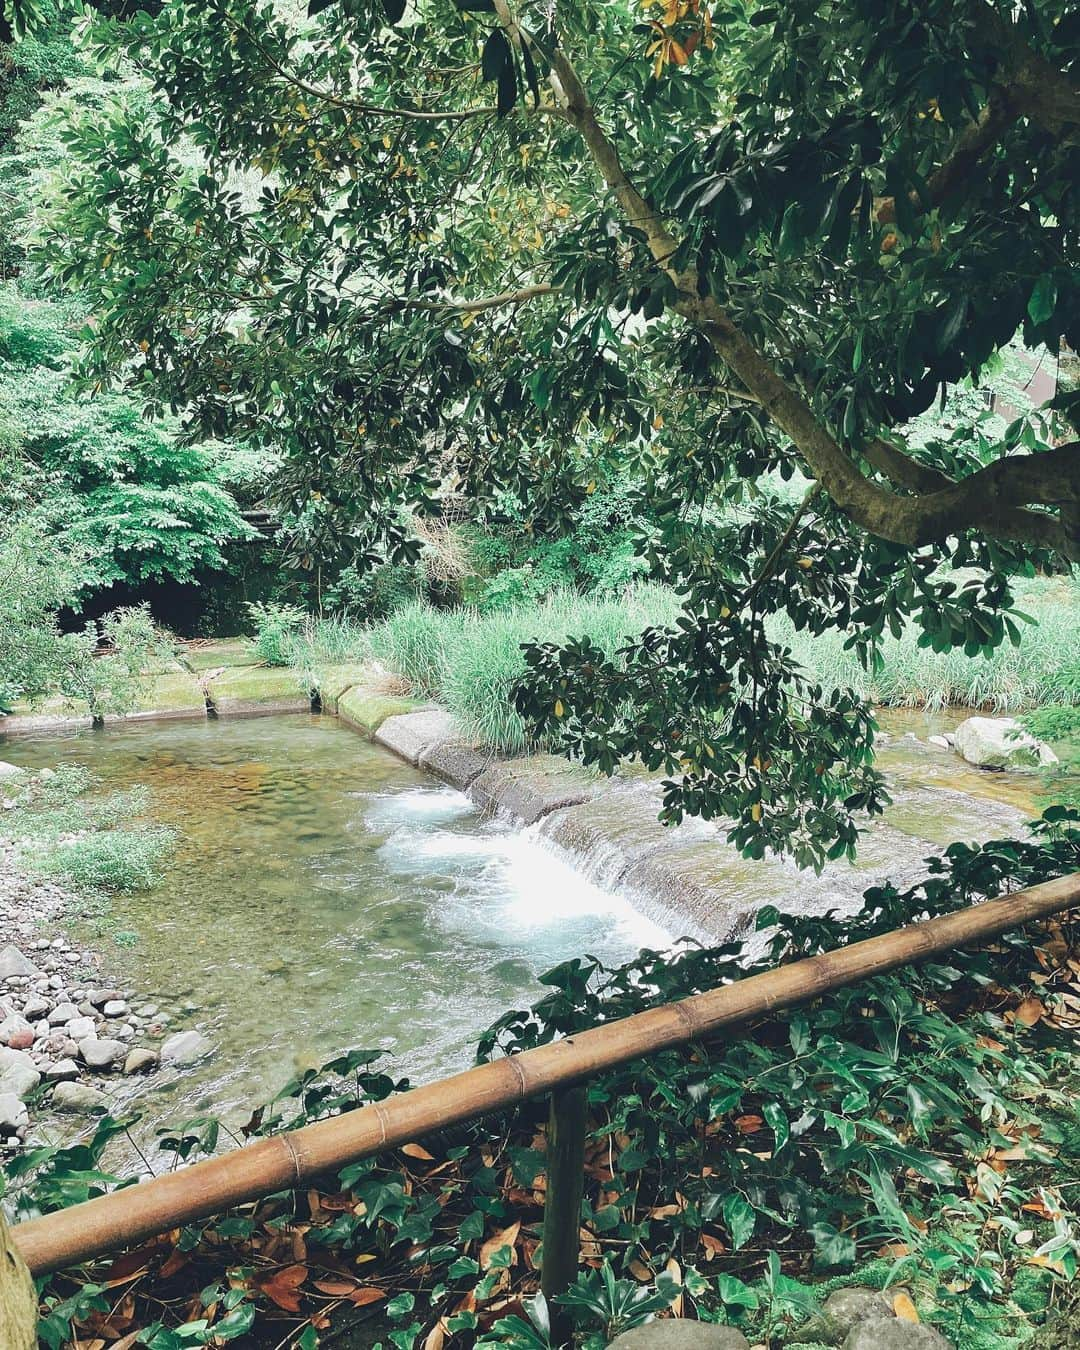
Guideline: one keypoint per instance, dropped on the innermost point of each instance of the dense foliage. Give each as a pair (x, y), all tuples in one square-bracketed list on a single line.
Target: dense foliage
[(136, 505), (440, 252)]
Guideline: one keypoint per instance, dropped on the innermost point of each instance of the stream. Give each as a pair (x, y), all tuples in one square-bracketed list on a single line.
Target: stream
[(325, 895)]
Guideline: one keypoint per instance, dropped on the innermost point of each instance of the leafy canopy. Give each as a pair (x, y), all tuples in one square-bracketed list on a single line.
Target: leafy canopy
[(140, 505), (513, 250)]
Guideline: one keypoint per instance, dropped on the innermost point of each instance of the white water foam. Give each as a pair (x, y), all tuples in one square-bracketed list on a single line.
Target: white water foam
[(511, 878)]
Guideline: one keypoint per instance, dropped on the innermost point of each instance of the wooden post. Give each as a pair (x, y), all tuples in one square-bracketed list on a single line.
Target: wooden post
[(562, 1201)]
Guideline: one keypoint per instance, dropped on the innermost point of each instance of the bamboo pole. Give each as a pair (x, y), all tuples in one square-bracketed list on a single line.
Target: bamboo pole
[(129, 1215)]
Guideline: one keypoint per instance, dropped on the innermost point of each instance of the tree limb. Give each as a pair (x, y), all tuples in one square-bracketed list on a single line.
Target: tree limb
[(473, 306), (1029, 86), (986, 501), (997, 115), (1038, 88)]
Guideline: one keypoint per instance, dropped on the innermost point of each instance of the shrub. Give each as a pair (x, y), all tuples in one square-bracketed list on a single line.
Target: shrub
[(276, 629)]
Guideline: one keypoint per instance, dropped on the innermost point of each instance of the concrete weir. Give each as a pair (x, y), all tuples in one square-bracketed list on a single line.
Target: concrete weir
[(686, 878)]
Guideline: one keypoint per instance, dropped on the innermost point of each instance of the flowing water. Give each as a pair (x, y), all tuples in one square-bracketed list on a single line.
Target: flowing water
[(324, 895)]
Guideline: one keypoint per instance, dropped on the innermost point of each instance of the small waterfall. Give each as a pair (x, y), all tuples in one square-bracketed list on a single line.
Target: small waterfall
[(689, 880)]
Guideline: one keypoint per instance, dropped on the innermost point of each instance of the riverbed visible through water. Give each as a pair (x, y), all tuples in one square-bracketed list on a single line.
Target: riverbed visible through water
[(324, 895)]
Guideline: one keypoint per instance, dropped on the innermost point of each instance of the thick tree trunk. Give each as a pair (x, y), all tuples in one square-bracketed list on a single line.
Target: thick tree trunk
[(18, 1299)]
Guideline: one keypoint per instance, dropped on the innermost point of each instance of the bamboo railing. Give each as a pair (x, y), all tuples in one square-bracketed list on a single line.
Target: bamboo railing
[(289, 1160)]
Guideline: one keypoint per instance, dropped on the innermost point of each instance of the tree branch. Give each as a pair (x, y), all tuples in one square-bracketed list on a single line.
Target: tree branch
[(472, 306), (1030, 86), (1038, 88), (986, 501), (970, 146)]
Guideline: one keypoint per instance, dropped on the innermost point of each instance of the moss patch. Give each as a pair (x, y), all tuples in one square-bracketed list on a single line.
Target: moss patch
[(367, 711), (53, 712), (333, 681), (224, 652), (172, 692), (257, 688)]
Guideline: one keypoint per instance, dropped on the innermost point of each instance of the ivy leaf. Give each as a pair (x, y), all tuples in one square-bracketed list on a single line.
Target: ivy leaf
[(832, 1248)]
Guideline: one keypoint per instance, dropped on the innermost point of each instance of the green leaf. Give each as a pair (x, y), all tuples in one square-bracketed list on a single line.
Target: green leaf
[(739, 1219), (1043, 299), (734, 1293), (777, 1120)]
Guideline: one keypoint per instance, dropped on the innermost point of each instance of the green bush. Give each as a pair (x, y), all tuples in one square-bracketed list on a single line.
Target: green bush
[(1055, 722), (277, 628)]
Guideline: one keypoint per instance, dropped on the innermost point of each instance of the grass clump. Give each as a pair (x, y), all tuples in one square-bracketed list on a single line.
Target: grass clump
[(91, 842), (469, 661), (470, 658), (112, 860), (416, 642), (1043, 669)]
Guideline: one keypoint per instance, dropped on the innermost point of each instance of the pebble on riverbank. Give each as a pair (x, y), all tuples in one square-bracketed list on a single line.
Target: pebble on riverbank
[(63, 1031)]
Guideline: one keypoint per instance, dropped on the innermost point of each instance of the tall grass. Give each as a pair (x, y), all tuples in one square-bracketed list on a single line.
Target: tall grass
[(471, 661), (1044, 669), (417, 642)]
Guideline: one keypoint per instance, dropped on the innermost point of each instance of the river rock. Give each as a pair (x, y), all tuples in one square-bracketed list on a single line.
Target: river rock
[(79, 1099), (939, 741), (35, 1007), (140, 1060), (895, 1335), (13, 1114), (101, 1053), (679, 1334), (81, 1028), (9, 771), (63, 1071), (185, 1047), (18, 1074), (843, 1310), (62, 1013), (16, 1031), (116, 1007), (12, 962), (1001, 743), (99, 997)]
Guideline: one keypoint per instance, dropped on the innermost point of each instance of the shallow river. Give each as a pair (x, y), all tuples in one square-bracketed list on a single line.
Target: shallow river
[(324, 895)]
